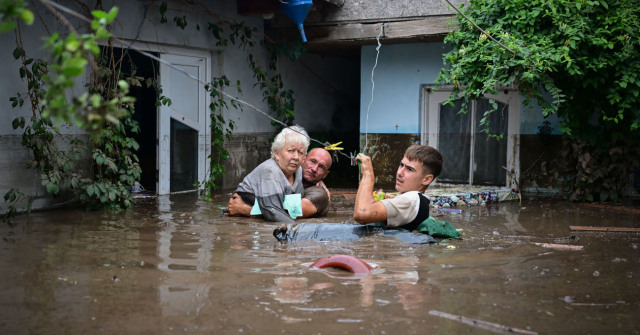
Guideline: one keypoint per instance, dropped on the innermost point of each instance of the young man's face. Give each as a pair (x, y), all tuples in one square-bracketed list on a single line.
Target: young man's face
[(411, 176)]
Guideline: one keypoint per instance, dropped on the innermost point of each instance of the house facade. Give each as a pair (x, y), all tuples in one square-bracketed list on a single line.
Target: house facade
[(401, 49), (367, 79), (175, 139)]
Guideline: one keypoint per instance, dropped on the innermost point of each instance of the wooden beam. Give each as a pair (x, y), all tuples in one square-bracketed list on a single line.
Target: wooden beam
[(424, 28), (436, 25), (491, 326), (559, 246), (605, 229), (617, 208)]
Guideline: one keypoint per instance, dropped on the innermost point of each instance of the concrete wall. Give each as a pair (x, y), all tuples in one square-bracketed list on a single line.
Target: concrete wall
[(323, 86), (397, 78)]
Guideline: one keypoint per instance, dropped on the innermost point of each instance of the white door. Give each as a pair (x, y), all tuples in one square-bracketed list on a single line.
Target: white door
[(183, 139), (470, 155)]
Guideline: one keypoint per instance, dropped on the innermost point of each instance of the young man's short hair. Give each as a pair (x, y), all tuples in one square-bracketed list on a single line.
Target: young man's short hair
[(429, 157)]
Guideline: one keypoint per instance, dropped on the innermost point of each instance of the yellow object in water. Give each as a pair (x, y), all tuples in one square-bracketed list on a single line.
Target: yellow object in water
[(378, 195), (381, 195)]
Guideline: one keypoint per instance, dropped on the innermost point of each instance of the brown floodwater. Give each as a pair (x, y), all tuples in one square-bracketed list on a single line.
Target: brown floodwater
[(173, 265)]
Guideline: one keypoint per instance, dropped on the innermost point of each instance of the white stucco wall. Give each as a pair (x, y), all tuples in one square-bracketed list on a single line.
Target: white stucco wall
[(400, 72)]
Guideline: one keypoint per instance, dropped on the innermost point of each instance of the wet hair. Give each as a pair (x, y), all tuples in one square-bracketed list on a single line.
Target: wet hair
[(294, 134), (429, 157)]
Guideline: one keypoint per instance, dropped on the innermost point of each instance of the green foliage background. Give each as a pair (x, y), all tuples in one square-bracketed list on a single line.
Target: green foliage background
[(585, 55)]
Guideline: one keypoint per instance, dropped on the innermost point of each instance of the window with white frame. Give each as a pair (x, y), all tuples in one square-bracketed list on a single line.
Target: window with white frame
[(471, 156)]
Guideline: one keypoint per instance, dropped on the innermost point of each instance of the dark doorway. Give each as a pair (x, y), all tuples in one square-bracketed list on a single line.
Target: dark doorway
[(134, 63), (184, 157)]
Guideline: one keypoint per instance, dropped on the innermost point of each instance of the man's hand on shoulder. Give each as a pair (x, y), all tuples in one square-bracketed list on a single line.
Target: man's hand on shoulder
[(321, 184)]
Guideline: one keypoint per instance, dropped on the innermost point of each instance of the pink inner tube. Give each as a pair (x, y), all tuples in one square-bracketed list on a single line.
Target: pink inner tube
[(347, 262)]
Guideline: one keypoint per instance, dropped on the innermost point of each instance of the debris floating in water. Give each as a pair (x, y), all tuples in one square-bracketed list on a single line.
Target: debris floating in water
[(346, 262), (559, 246), (495, 327), (605, 229)]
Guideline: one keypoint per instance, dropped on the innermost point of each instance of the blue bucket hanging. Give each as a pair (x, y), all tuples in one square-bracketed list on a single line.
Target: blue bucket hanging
[(297, 11)]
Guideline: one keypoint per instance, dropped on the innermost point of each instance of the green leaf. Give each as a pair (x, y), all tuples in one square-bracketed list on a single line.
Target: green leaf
[(52, 188), (73, 67), (26, 16), (604, 195), (614, 196), (112, 14), (102, 34), (99, 14), (163, 7), (18, 52), (72, 45), (6, 26)]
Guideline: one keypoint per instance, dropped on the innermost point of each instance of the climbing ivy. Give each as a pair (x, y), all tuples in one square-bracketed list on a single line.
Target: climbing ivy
[(584, 54), (221, 130), (11, 11), (104, 111)]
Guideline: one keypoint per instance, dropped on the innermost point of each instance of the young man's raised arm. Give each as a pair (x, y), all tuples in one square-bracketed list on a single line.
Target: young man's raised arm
[(367, 210)]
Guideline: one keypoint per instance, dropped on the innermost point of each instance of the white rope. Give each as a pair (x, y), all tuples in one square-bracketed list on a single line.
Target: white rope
[(373, 86)]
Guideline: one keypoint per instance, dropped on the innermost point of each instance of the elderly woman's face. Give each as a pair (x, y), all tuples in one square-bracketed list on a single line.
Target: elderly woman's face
[(290, 157)]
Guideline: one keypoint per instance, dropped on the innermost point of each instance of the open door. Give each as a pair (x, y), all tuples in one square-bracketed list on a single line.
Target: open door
[(182, 127)]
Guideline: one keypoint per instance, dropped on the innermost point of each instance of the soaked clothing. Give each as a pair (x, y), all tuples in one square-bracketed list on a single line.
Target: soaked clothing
[(268, 185), (345, 232), (319, 198), (407, 210)]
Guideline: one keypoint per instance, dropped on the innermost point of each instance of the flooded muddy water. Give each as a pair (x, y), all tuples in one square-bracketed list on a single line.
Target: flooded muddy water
[(173, 265)]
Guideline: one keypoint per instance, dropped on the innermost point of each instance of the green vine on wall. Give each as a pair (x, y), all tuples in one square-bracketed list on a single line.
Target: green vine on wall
[(104, 111), (221, 130), (577, 59)]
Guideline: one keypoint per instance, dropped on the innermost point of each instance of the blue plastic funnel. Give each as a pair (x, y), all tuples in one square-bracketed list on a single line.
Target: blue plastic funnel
[(297, 11)]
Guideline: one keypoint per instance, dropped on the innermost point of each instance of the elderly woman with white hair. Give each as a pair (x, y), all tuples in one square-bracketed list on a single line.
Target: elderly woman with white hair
[(281, 175)]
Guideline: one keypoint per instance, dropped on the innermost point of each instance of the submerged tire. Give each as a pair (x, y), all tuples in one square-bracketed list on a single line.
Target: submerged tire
[(346, 262)]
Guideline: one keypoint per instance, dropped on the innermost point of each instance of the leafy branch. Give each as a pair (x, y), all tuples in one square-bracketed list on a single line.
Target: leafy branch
[(585, 54), (104, 111)]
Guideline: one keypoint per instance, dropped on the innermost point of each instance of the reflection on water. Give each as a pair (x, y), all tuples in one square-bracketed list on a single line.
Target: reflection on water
[(173, 264)]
